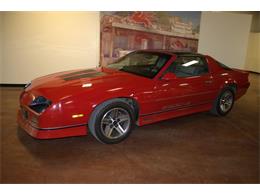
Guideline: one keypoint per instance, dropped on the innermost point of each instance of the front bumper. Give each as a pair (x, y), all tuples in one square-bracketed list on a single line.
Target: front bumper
[(60, 132)]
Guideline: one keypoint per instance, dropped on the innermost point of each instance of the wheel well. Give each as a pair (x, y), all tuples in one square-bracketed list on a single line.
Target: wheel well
[(130, 101), (233, 87), (133, 103)]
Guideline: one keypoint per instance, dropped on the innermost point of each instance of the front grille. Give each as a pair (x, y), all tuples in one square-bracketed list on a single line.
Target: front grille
[(39, 104)]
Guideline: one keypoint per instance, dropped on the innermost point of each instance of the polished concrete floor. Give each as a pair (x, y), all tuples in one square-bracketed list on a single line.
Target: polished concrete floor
[(199, 148)]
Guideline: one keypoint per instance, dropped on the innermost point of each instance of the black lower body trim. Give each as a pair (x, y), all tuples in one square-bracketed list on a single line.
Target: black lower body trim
[(173, 109), (58, 128)]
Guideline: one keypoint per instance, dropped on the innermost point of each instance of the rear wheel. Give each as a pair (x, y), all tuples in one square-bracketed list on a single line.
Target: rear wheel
[(224, 103), (112, 121)]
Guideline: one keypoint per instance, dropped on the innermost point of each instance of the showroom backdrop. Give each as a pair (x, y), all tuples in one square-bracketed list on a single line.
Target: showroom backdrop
[(39, 43)]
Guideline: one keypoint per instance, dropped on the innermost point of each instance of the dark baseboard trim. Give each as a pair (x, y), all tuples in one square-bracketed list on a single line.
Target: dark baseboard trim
[(254, 72), (11, 85)]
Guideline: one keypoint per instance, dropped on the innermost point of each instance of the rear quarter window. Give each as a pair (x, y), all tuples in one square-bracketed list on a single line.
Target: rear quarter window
[(224, 66), (189, 66)]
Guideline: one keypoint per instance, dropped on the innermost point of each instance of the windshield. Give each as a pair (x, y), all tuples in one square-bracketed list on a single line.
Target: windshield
[(145, 64)]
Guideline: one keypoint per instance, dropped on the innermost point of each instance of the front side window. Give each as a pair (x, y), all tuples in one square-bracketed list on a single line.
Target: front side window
[(188, 66), (145, 64)]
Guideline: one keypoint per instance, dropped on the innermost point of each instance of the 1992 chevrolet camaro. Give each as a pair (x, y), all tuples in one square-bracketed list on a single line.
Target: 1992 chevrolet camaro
[(142, 87)]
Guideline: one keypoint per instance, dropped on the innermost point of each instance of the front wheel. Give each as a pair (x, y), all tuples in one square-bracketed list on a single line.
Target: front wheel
[(224, 103), (112, 122)]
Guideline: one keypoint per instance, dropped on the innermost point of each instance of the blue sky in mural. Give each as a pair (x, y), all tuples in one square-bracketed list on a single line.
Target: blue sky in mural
[(187, 16)]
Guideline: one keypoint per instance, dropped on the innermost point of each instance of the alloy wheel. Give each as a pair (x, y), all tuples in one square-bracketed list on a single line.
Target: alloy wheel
[(226, 101), (115, 123)]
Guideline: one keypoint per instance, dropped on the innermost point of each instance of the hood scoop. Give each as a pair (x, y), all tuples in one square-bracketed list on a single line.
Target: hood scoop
[(91, 73)]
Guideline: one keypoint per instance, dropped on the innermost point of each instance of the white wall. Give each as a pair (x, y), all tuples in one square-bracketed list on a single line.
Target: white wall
[(1, 46), (39, 43), (224, 36), (253, 53)]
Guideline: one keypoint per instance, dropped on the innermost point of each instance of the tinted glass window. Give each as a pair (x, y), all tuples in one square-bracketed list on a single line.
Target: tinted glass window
[(224, 66), (146, 64), (188, 66)]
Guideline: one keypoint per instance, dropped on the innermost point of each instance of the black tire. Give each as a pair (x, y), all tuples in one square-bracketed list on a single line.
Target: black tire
[(217, 107), (95, 125)]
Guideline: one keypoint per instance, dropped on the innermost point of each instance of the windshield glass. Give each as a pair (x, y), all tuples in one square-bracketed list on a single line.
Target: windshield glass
[(145, 64)]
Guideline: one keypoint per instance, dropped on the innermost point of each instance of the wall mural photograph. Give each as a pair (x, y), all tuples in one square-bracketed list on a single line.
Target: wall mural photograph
[(123, 32)]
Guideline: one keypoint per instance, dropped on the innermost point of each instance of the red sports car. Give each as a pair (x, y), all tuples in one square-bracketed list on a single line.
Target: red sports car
[(140, 88)]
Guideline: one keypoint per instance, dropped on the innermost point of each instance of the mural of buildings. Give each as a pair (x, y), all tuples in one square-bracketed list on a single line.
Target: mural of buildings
[(123, 32)]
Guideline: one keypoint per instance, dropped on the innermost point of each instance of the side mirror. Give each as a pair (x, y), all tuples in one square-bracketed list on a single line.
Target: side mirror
[(169, 76)]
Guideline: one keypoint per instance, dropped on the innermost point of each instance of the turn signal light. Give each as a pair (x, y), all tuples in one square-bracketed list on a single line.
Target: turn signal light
[(77, 115)]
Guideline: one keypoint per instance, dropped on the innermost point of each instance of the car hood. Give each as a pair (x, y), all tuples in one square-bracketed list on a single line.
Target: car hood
[(65, 84)]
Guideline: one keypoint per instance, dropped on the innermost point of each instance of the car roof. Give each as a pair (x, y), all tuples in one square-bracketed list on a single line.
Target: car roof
[(172, 52)]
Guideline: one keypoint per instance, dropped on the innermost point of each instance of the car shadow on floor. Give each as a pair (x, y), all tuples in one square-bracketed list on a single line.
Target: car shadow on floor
[(68, 149), (163, 134)]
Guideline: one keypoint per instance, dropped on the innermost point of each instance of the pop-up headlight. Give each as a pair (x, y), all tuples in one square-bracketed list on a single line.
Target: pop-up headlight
[(39, 104)]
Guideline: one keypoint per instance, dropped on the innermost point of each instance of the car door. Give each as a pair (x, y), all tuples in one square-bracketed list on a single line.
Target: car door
[(192, 86)]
